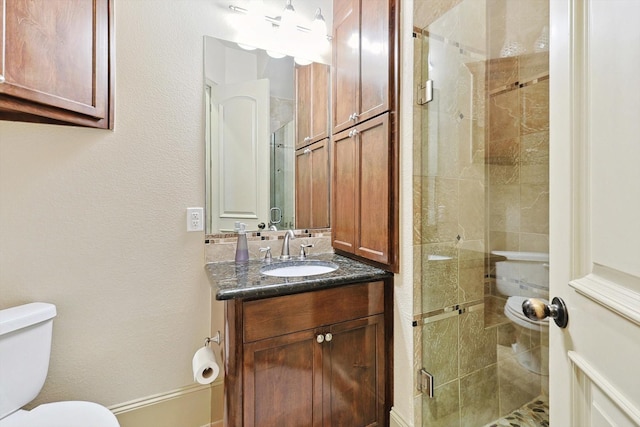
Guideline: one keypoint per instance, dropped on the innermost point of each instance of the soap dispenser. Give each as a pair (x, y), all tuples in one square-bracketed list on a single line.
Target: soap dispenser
[(242, 251)]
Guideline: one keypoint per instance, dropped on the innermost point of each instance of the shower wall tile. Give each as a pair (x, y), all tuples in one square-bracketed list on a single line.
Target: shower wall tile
[(479, 397), (439, 210), (477, 344), (504, 152), (534, 210), (501, 73), (533, 66), (444, 409), (504, 116), (535, 108), (530, 242), (440, 349), (504, 241), (417, 279), (504, 208), (471, 270), (417, 209), (471, 209), (439, 276), (426, 12)]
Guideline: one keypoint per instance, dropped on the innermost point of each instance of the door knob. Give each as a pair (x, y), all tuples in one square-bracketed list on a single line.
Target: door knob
[(535, 309)]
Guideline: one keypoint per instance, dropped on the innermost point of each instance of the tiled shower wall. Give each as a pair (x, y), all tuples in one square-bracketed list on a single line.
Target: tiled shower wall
[(480, 184)]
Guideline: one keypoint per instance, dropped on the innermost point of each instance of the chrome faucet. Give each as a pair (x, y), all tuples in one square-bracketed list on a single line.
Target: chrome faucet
[(285, 245)]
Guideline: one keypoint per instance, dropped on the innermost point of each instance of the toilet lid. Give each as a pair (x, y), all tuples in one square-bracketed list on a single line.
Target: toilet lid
[(513, 310), (63, 414)]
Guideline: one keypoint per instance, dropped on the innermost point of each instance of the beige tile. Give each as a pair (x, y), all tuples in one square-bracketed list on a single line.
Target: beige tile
[(471, 209), (502, 73), (439, 210), (504, 208), (504, 116), (479, 397), (517, 385), (439, 276), (417, 209), (417, 279), (504, 174), (471, 271), (477, 344), (534, 211), (504, 241), (444, 409), (440, 349), (535, 108), (531, 242), (426, 12)]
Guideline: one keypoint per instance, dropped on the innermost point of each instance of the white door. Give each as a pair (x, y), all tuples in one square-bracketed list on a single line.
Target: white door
[(240, 140), (595, 211)]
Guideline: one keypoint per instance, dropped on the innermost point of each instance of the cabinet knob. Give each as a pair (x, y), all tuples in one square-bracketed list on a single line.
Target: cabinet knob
[(328, 337), (307, 151), (307, 138), (320, 338), (353, 133), (353, 116), (1, 78)]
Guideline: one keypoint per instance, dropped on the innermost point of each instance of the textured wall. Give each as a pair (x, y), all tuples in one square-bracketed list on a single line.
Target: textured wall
[(94, 221)]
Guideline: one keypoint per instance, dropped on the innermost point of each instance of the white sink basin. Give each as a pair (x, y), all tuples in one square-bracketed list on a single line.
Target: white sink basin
[(298, 268)]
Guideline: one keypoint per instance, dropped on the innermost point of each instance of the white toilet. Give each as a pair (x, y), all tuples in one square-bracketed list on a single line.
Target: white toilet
[(525, 275), (25, 346)]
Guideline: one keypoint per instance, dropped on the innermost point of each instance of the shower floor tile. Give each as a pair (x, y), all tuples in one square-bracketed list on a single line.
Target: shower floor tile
[(533, 414)]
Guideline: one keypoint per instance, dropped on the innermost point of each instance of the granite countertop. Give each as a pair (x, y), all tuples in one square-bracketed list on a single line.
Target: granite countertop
[(234, 281)]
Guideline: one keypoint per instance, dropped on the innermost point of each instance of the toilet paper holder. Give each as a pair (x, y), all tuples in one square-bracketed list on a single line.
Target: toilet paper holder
[(216, 339)]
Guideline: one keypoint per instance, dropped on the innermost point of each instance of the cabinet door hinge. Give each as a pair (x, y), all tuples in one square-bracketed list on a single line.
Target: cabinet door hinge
[(425, 92), (425, 382)]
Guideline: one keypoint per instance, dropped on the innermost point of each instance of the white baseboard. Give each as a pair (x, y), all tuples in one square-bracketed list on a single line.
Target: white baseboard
[(189, 406), (396, 420)]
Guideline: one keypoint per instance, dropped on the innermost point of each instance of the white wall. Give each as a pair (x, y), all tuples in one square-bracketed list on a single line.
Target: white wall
[(94, 221)]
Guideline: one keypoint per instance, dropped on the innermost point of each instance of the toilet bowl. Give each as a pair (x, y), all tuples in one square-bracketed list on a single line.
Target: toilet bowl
[(523, 275), (25, 347)]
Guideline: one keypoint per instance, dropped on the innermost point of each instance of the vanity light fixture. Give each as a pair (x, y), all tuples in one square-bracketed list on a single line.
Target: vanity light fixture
[(319, 25)]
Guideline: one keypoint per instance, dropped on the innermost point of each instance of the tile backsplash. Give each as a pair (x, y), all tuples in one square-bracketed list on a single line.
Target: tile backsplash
[(222, 247)]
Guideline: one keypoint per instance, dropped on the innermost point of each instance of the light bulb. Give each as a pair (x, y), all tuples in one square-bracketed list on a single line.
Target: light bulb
[(302, 61), (275, 55), (319, 25)]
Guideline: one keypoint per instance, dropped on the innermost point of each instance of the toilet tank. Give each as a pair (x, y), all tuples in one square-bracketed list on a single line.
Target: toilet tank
[(25, 347), (523, 274)]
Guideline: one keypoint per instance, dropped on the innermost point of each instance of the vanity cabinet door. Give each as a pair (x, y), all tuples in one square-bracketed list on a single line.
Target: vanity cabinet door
[(361, 191), (282, 381), (312, 103), (361, 61), (54, 62), (354, 367), (312, 186)]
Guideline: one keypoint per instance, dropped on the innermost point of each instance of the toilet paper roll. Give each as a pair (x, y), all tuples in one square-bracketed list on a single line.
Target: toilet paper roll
[(205, 368)]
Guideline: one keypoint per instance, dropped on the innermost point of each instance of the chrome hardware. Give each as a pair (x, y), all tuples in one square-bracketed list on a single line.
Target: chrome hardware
[(267, 256), (425, 382), (425, 92), (535, 309), (320, 338), (353, 133), (285, 245), (328, 337), (275, 219), (216, 339), (1, 78), (303, 254), (353, 117), (307, 151)]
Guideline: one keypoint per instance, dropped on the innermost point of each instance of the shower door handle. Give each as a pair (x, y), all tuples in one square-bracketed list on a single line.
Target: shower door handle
[(536, 309)]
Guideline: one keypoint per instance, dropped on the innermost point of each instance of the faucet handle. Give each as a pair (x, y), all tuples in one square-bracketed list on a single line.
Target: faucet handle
[(303, 253), (267, 256)]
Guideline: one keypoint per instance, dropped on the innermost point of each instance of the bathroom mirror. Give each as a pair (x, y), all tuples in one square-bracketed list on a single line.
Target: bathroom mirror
[(249, 136)]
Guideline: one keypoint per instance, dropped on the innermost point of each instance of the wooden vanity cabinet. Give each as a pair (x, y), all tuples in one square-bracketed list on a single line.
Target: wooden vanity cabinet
[(312, 359), (312, 103), (362, 202), (55, 62), (312, 185), (362, 57)]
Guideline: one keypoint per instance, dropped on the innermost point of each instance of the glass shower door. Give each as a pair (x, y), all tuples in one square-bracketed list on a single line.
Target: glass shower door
[(481, 186)]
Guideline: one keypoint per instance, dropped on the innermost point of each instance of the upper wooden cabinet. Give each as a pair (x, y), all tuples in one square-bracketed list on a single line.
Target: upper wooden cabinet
[(362, 58), (312, 185), (312, 103), (362, 197), (55, 62)]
